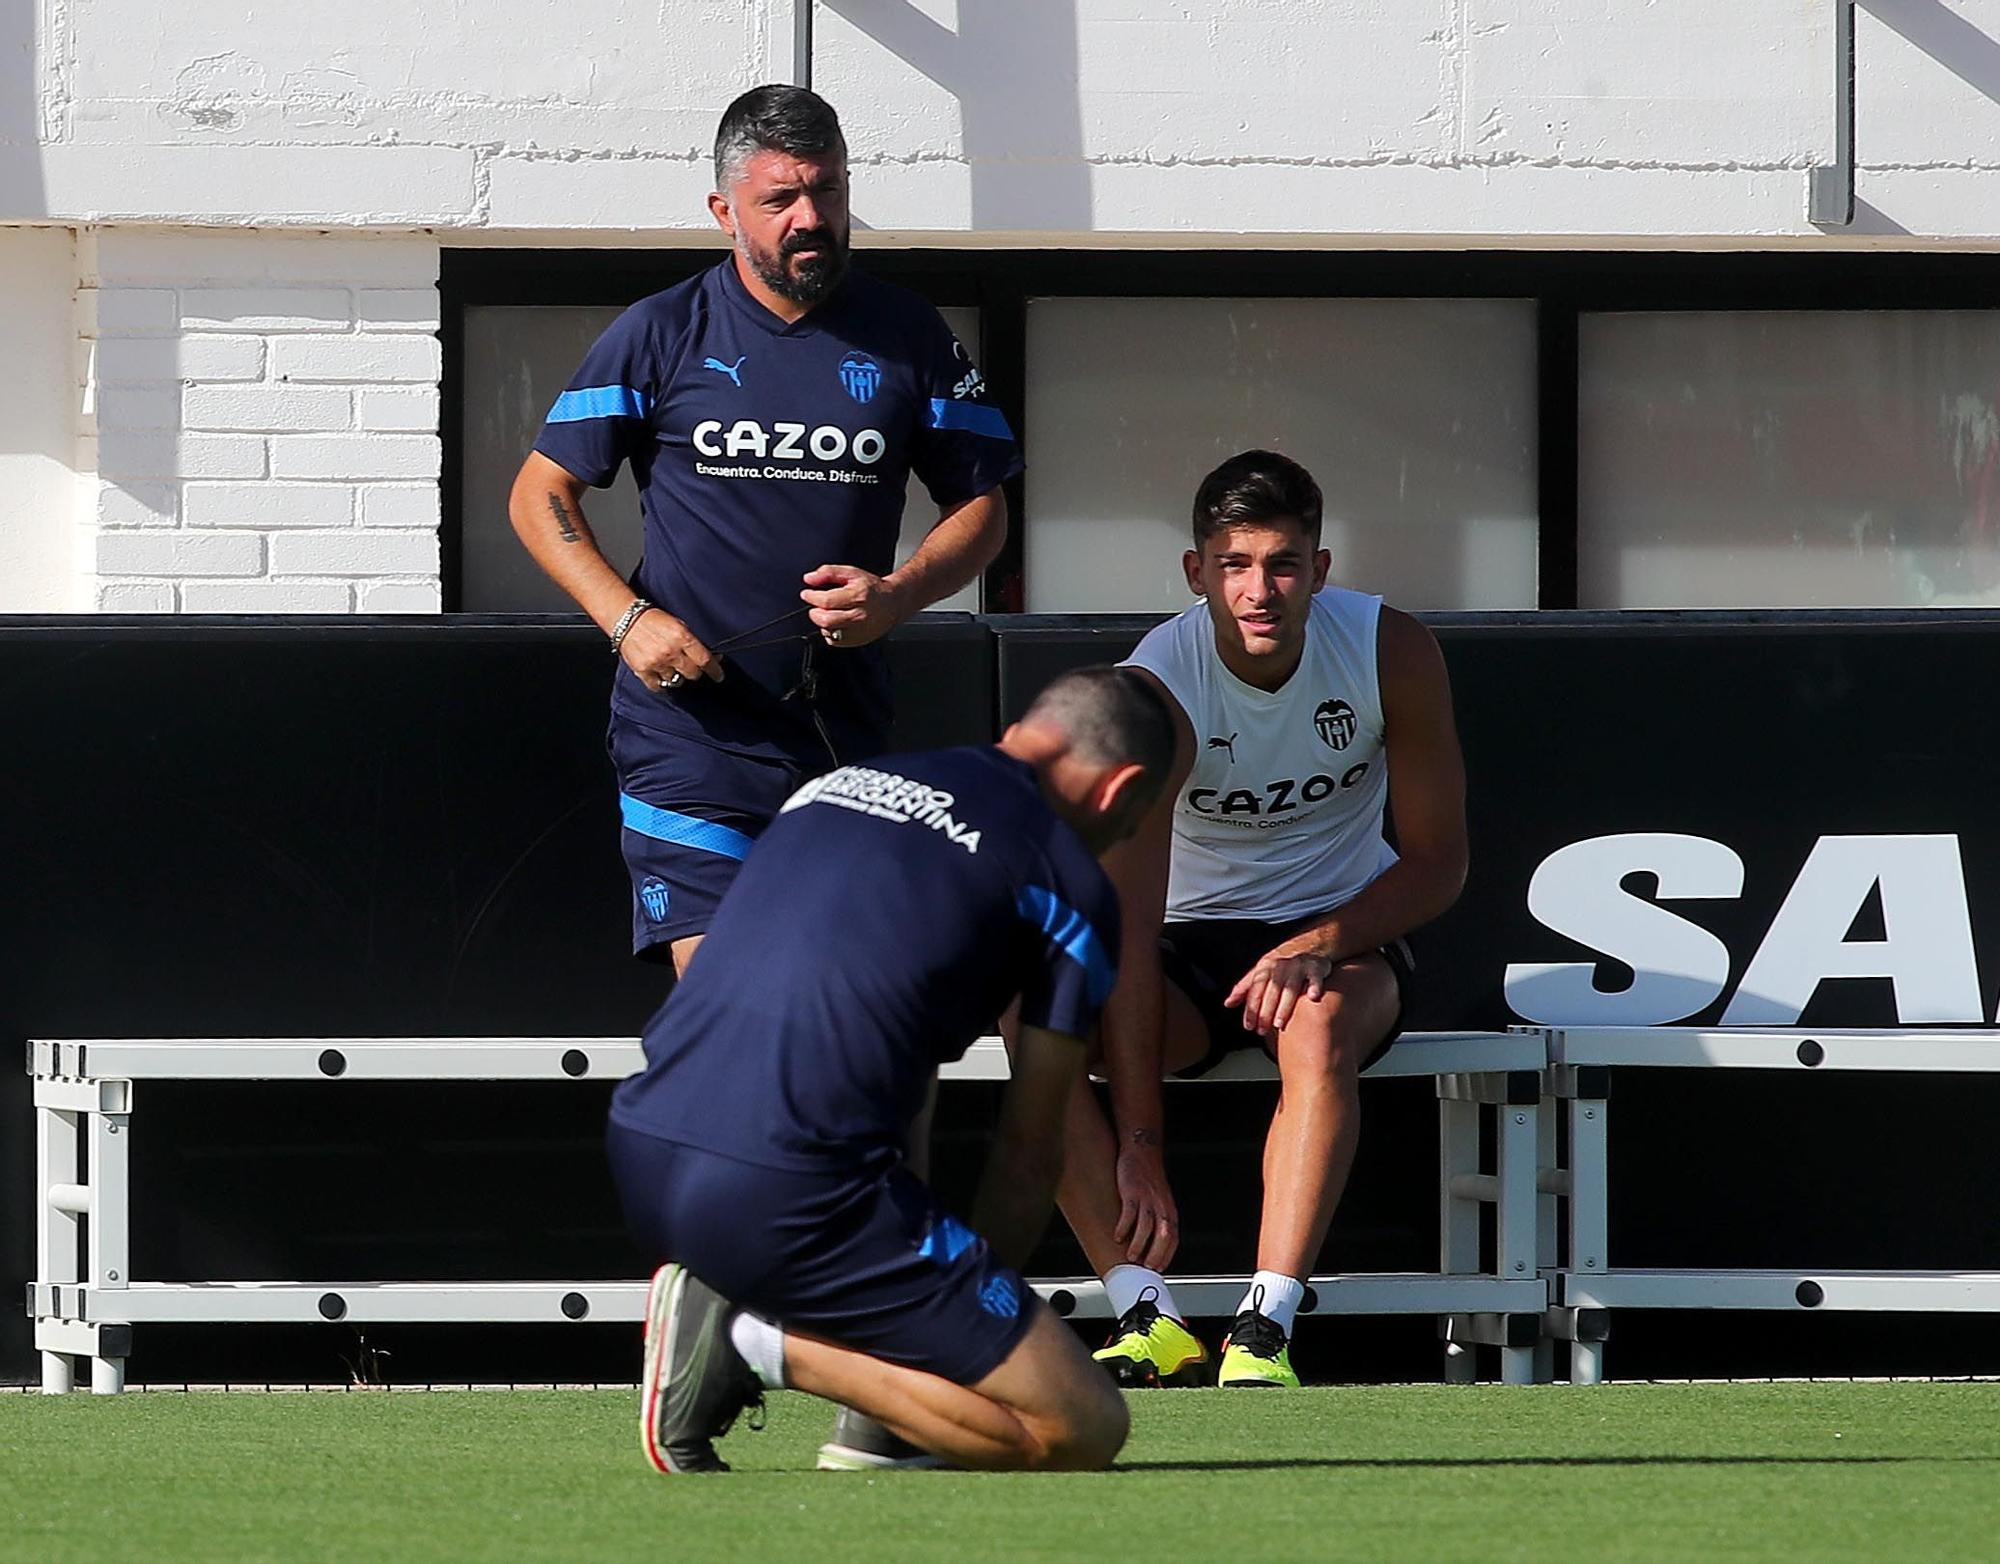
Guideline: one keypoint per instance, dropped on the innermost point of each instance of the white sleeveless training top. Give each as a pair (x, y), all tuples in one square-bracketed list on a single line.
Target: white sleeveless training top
[(1282, 815)]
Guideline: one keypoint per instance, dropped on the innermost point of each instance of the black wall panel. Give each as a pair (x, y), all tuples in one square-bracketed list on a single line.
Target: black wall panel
[(230, 827), (298, 827)]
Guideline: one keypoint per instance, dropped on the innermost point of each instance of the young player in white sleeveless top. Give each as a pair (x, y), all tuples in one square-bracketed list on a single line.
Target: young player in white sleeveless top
[(1262, 905)]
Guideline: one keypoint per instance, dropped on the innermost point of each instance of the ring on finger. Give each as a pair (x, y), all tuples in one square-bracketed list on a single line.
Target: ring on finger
[(674, 680)]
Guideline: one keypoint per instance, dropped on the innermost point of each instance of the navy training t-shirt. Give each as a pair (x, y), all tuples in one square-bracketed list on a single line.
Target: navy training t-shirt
[(762, 450), (880, 925)]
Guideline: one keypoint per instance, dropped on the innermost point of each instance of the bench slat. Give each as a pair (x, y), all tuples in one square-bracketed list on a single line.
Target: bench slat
[(468, 1303), (1926, 1292), (1903, 1049), (613, 1058)]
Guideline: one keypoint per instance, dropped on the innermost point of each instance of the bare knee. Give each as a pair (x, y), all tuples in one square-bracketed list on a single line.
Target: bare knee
[(1329, 1037), (1086, 1435), (1323, 1050)]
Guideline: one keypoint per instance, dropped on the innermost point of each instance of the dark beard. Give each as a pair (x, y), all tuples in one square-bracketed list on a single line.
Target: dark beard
[(812, 281)]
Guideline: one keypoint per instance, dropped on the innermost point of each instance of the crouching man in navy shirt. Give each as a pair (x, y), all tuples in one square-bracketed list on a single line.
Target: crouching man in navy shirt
[(883, 921)]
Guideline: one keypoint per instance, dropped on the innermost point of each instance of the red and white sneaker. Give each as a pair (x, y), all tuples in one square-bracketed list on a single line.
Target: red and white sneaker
[(696, 1384)]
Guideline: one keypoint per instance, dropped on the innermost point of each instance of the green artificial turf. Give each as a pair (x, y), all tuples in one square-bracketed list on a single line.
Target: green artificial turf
[(1821, 1472)]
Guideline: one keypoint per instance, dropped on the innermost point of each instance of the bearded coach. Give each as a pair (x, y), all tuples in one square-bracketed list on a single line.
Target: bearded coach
[(772, 409)]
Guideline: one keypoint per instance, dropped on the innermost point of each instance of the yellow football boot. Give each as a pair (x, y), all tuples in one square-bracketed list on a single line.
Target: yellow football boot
[(1148, 1348), (1256, 1355)]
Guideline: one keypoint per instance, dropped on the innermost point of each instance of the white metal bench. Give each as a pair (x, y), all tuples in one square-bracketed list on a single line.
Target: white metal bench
[(1589, 1285), (85, 1302)]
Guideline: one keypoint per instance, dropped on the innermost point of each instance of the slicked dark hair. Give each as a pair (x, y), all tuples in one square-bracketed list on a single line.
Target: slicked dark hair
[(1256, 488), (1113, 717), (776, 117)]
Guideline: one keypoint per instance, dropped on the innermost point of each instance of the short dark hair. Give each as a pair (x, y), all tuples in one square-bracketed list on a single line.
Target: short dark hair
[(1252, 488), (1113, 717), (776, 117)]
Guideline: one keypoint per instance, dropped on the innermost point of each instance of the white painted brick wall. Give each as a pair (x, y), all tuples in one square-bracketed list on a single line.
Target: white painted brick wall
[(266, 597), (1607, 119), (354, 554), (258, 197), (177, 554), (259, 430), (375, 358), (396, 597), (136, 597), (273, 504)]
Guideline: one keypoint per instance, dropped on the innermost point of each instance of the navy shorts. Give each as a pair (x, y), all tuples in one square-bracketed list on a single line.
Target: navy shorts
[(865, 1258), (1206, 959), (690, 814)]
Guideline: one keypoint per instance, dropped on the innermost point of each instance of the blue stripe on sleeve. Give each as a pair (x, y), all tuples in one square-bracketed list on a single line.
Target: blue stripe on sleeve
[(973, 417), (574, 407), (1072, 934), (666, 825)]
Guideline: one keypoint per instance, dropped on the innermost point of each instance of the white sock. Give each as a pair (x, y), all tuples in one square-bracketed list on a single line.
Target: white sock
[(762, 1345), (1275, 1297), (1125, 1285)]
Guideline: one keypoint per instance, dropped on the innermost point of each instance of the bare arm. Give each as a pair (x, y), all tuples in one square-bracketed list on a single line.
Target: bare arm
[(1018, 1189), (1427, 800), (865, 607), (1148, 1221), (546, 508), (964, 542), (1132, 1015)]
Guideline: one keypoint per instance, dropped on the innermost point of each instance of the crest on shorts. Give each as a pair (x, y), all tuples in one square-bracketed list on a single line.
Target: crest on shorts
[(1335, 722), (861, 375), (653, 897), (1000, 1297)]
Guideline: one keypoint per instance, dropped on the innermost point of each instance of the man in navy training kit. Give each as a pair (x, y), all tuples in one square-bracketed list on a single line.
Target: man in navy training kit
[(1262, 905), (885, 918), (772, 409)]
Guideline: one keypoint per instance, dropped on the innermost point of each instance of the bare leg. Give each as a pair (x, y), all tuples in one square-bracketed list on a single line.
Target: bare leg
[(1088, 1192), (684, 950), (1047, 1408), (1317, 1125), (851, 1426)]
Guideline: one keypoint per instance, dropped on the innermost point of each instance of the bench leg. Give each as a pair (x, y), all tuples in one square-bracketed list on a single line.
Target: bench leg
[(1458, 1226), (1589, 1218), (1519, 1228), (1461, 1362), (110, 1230), (58, 1230), (58, 1374)]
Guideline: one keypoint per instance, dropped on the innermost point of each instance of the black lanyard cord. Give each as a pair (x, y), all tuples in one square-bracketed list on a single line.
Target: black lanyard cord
[(737, 642)]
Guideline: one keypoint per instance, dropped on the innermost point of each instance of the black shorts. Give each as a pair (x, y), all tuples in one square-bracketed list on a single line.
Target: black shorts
[(1205, 960), (866, 1258)]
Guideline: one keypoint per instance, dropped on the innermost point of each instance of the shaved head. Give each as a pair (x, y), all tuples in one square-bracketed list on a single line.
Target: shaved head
[(1112, 716)]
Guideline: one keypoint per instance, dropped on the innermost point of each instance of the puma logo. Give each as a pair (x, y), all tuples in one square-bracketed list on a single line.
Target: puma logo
[(733, 371), (1228, 744)]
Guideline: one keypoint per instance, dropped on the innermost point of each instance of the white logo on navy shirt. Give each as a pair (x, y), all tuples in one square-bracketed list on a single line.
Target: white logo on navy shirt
[(790, 443), (887, 796)]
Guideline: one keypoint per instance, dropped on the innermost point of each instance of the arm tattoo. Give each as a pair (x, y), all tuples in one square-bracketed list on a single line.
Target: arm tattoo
[(564, 521)]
